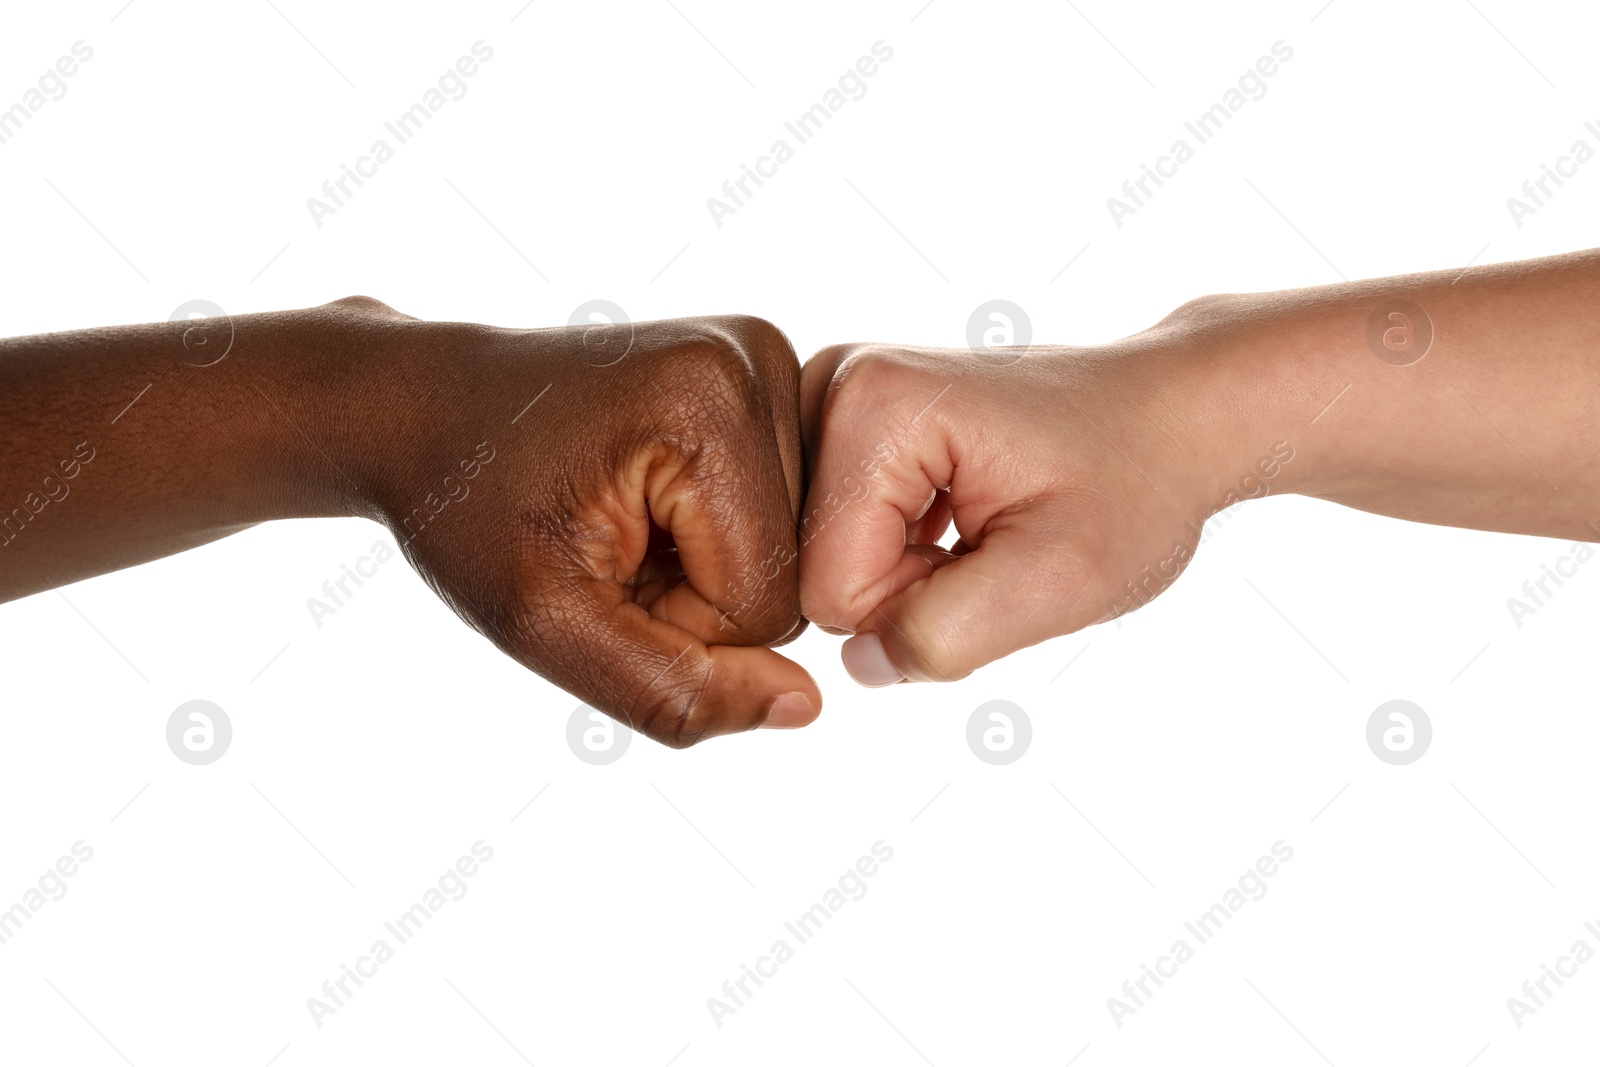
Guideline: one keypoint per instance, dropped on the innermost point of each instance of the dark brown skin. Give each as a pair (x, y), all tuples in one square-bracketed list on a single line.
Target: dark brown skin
[(630, 536)]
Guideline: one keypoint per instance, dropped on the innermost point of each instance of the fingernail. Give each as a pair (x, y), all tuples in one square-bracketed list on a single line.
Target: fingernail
[(788, 712), (868, 663)]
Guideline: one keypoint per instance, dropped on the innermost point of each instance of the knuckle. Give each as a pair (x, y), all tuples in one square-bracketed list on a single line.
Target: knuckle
[(714, 371), (758, 337), (833, 355), (824, 364), (872, 374)]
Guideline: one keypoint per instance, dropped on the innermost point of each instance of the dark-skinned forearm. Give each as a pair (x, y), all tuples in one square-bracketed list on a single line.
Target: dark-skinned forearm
[(127, 443)]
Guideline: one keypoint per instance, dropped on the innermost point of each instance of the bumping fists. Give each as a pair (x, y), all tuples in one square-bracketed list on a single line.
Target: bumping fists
[(631, 510), (682, 496), (642, 512)]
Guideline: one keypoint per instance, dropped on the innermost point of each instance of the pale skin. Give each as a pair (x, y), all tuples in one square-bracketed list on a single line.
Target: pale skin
[(642, 540), (1078, 479)]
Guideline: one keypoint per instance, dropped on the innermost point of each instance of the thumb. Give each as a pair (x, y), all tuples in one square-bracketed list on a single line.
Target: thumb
[(667, 683), (1015, 589)]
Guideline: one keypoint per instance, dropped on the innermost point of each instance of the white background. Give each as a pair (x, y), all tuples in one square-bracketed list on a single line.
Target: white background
[(1173, 751)]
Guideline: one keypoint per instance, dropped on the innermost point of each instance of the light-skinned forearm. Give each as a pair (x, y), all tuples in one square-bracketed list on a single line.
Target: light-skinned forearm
[(1496, 427)]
